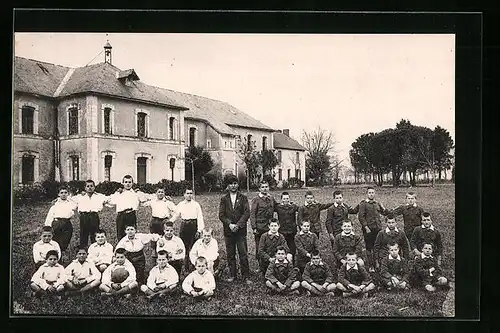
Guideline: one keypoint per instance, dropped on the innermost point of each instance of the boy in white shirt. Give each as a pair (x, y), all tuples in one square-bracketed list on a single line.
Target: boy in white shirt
[(81, 275), (108, 286), (208, 248), (174, 246), (43, 246), (162, 279), (49, 278), (100, 253), (59, 218), (199, 283)]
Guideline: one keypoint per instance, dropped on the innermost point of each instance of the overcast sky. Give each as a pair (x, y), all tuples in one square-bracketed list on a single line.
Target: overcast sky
[(349, 84)]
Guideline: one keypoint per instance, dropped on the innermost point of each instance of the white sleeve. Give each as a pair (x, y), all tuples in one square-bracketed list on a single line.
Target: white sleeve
[(106, 275), (131, 274), (211, 285), (39, 280), (151, 282), (36, 254), (187, 284), (200, 222), (173, 276), (182, 246), (107, 255), (61, 280), (94, 274), (193, 254), (121, 243), (50, 217), (68, 273)]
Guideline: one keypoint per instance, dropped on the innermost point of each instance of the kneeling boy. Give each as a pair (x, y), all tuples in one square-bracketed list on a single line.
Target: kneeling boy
[(100, 253), (49, 278), (317, 277), (200, 283), (394, 270), (109, 285), (428, 269), (281, 276), (81, 275), (163, 278), (353, 278)]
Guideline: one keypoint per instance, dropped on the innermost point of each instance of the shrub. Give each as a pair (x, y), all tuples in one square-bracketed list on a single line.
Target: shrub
[(51, 188), (174, 188), (25, 194), (107, 188), (146, 188), (270, 179), (295, 182), (76, 186), (285, 185)]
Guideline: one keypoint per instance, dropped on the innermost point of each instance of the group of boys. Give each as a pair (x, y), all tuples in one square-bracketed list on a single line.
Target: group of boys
[(287, 259)]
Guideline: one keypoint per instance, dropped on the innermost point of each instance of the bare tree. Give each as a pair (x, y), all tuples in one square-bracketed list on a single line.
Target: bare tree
[(320, 146)]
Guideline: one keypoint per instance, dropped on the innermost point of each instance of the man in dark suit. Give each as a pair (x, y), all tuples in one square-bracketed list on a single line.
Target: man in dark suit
[(234, 212)]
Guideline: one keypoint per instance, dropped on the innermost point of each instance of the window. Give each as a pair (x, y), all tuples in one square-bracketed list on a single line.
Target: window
[(192, 136), (288, 174), (280, 174), (171, 127), (141, 124), (28, 169), (108, 161), (264, 143), (74, 167), (73, 120), (225, 143), (27, 119), (141, 170), (297, 173), (107, 121), (279, 156), (236, 168), (231, 144), (209, 143), (297, 157)]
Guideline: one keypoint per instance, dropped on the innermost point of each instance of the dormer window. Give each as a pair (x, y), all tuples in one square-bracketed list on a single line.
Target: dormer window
[(127, 77)]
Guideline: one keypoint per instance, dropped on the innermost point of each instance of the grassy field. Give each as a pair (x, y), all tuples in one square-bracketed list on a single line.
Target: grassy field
[(237, 299)]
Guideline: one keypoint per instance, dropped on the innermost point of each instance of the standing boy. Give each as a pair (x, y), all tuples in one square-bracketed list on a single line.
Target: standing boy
[(200, 283), (109, 286), (307, 243), (261, 213), (189, 211), (100, 253), (234, 212), (174, 246), (371, 224), (49, 277), (311, 212), (390, 234), (353, 278), (412, 214), (426, 233), (394, 271), (337, 214), (43, 246), (287, 216), (59, 218), (318, 277), (163, 278), (81, 275), (268, 244), (281, 276)]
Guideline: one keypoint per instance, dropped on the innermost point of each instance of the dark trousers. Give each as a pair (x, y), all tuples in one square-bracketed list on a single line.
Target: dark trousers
[(290, 241), (63, 230), (89, 224), (370, 237), (138, 260), (263, 265), (187, 233), (257, 240), (233, 243), (177, 265), (123, 219), (156, 227)]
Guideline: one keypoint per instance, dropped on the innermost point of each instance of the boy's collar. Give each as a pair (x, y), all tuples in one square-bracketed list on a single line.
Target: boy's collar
[(424, 256), (285, 261), (387, 230), (304, 233), (319, 264), (312, 203), (273, 235), (353, 267), (368, 200), (344, 234), (414, 205), (397, 258), (264, 195), (338, 204), (430, 227), (78, 261)]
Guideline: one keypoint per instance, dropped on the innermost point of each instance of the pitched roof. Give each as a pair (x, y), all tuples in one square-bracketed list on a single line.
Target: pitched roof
[(129, 72), (282, 141)]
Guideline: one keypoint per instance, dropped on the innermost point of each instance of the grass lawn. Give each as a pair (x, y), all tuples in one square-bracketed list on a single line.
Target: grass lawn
[(237, 299)]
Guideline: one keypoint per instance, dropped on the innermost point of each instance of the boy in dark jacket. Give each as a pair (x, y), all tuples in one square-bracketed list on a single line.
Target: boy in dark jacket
[(412, 214), (347, 242), (428, 269), (354, 279), (261, 213), (268, 244), (390, 234), (311, 212), (318, 277), (394, 271), (287, 216), (281, 276), (306, 242), (426, 233), (336, 214)]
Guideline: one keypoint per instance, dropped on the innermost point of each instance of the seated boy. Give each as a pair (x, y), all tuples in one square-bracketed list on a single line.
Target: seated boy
[(100, 253), (163, 278), (49, 278), (390, 234), (426, 233), (81, 274), (306, 242), (347, 242), (174, 246), (353, 278), (200, 283), (281, 276), (317, 277), (268, 244), (428, 269), (208, 248), (111, 286), (394, 271), (43, 246)]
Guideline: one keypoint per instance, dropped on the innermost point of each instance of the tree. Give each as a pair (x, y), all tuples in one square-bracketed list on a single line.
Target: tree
[(200, 161), (442, 144), (361, 155), (319, 145), (268, 161), (248, 154)]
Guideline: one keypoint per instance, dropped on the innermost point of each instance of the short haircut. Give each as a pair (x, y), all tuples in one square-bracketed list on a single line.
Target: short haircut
[(47, 228), (188, 189), (128, 177), (81, 247), (162, 253), (160, 187), (120, 250), (63, 188), (337, 192), (308, 193), (392, 244), (274, 220), (426, 214), (51, 253), (390, 216), (411, 193), (281, 248), (304, 221), (208, 230), (351, 254), (347, 221), (201, 260), (264, 182), (88, 181), (370, 188), (315, 252), (101, 231), (130, 225), (284, 193), (232, 179), (168, 224), (427, 243)]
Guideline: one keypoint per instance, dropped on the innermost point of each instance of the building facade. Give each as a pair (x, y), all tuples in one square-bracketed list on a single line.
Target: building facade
[(291, 157)]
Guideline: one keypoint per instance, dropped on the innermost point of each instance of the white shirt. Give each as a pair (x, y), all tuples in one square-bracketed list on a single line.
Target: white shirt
[(92, 203), (60, 209), (167, 275), (106, 275), (128, 199), (387, 230), (353, 267), (397, 258), (206, 281), (344, 234), (188, 210), (233, 197), (40, 250), (431, 227), (210, 251), (100, 254), (86, 271), (172, 246), (137, 243), (49, 275), (161, 208)]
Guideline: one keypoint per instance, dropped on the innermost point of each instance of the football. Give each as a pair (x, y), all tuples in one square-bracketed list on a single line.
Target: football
[(119, 275)]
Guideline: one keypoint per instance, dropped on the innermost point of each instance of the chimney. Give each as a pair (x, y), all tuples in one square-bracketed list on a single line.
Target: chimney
[(107, 52), (286, 132)]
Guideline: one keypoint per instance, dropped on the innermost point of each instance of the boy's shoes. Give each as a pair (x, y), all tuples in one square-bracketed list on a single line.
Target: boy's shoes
[(231, 279), (294, 292), (344, 294), (127, 296)]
